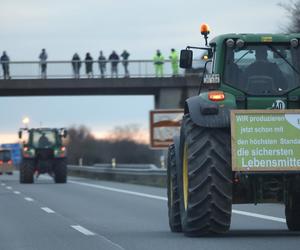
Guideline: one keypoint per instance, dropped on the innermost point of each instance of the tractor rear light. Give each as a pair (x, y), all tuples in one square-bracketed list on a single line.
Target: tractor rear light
[(216, 96), (28, 152)]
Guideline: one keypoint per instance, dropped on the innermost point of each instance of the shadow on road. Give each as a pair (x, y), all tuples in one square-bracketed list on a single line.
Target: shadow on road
[(260, 233), (257, 233)]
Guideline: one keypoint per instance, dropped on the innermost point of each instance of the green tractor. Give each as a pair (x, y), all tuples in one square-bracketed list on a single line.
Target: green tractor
[(43, 152), (246, 73)]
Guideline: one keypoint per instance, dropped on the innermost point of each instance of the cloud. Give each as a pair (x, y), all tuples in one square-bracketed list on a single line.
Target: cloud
[(8, 138), (67, 26), (139, 26)]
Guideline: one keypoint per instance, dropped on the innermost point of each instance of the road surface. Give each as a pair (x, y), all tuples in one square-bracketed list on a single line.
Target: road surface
[(89, 214)]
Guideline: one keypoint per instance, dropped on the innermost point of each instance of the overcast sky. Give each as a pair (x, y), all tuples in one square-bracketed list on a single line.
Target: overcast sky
[(67, 26)]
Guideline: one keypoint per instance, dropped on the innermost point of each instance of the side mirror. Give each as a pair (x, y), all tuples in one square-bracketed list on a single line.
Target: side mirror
[(20, 134), (186, 58)]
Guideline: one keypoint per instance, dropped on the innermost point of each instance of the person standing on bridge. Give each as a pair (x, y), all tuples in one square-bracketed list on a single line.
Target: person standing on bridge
[(102, 64), (174, 62), (5, 65), (43, 63), (159, 64), (125, 55), (76, 65), (114, 58), (89, 65)]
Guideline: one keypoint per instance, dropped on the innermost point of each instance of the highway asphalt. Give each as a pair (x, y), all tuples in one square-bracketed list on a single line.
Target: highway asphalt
[(88, 214)]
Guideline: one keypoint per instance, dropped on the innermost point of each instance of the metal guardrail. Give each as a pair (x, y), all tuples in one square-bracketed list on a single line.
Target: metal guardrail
[(121, 168), (145, 176), (64, 69), (127, 166)]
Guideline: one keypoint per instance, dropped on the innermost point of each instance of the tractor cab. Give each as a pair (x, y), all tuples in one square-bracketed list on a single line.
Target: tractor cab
[(262, 71), (43, 152)]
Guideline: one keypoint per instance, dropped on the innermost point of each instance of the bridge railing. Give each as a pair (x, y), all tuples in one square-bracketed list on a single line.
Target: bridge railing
[(64, 69)]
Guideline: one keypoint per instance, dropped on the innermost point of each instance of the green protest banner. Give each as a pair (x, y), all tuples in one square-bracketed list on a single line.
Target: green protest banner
[(265, 140)]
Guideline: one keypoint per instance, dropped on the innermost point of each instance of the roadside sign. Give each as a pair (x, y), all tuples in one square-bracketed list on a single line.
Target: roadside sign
[(164, 125), (265, 140)]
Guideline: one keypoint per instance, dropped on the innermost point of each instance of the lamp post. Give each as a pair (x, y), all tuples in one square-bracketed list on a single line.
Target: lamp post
[(26, 121)]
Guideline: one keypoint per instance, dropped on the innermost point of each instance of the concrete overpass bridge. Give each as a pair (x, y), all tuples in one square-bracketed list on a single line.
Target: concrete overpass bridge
[(169, 91)]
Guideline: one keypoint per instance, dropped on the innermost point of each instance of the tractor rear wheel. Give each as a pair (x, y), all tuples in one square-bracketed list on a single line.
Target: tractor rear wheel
[(60, 171), (292, 212), (205, 179), (173, 195), (27, 171)]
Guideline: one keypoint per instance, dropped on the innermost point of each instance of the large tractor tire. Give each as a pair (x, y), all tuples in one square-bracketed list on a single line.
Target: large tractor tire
[(27, 171), (292, 211), (173, 192), (60, 171), (205, 179)]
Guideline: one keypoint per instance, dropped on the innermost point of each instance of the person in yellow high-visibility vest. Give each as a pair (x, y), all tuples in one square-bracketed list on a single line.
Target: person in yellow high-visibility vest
[(174, 62), (159, 64)]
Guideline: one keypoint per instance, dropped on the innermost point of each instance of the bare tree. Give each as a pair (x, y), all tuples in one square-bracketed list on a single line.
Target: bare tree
[(293, 10), (120, 145), (130, 132)]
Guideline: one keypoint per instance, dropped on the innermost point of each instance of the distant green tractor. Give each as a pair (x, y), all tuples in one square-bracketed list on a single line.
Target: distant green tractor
[(248, 73), (43, 152)]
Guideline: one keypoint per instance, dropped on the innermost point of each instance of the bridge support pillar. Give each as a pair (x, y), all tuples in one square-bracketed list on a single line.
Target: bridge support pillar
[(169, 98), (173, 98)]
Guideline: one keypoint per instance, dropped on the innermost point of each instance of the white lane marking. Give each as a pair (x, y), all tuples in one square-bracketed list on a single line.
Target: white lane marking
[(28, 199), (255, 215), (17, 192), (48, 210), (9, 188), (3, 184), (260, 216), (120, 190), (90, 233), (83, 230)]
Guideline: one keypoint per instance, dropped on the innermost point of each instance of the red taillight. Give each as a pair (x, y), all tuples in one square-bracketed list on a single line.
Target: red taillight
[(1, 162), (25, 148), (10, 162), (63, 148), (216, 96)]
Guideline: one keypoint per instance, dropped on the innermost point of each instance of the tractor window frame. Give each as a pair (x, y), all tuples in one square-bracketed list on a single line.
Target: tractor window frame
[(294, 60)]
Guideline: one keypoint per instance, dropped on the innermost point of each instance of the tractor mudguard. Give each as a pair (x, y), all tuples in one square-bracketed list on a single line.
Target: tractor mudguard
[(206, 113), (176, 141)]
